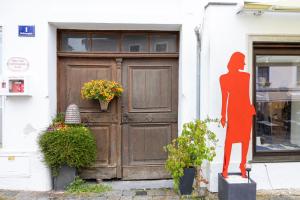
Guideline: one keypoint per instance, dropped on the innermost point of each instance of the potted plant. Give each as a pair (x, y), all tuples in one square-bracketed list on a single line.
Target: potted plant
[(102, 90), (187, 152), (67, 148)]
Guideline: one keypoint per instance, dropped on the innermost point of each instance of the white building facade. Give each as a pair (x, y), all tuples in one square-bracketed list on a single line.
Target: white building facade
[(201, 57), (269, 42)]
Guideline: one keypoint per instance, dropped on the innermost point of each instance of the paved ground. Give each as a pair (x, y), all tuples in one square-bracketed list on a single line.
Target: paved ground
[(150, 194), (139, 190)]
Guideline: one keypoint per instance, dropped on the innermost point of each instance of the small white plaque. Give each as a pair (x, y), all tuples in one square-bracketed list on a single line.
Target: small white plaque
[(17, 64)]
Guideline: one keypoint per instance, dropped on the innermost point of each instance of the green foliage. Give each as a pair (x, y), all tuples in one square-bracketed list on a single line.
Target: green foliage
[(60, 118), (80, 186), (195, 144), (74, 146)]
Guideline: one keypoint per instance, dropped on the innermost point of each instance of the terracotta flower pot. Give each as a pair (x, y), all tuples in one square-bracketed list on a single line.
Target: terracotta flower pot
[(103, 105)]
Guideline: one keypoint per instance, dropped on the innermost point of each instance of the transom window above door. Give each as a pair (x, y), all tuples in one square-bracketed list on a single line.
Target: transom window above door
[(118, 42)]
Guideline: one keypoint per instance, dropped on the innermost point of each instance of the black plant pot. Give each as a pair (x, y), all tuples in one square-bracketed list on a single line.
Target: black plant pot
[(186, 181), (66, 175)]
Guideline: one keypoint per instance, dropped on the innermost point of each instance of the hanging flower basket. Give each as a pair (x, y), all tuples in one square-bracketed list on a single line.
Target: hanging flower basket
[(103, 105), (102, 90)]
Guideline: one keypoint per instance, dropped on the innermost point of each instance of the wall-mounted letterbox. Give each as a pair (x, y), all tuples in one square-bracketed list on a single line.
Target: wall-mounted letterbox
[(15, 86)]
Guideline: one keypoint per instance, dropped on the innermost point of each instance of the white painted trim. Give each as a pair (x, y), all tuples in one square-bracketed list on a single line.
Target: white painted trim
[(116, 26)]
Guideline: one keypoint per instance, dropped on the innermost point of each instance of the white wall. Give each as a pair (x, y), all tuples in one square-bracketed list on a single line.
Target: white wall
[(26, 117), (224, 33)]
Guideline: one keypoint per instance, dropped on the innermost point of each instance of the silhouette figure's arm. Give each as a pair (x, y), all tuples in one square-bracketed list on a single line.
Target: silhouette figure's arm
[(224, 101)]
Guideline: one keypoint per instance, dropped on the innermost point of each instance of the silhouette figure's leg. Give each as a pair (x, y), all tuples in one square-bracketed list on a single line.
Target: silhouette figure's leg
[(245, 145), (227, 152)]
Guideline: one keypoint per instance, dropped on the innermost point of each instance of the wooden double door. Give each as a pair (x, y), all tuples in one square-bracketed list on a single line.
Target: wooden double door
[(131, 135)]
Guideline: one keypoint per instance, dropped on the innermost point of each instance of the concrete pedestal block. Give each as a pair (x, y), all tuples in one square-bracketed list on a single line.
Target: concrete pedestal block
[(235, 188)]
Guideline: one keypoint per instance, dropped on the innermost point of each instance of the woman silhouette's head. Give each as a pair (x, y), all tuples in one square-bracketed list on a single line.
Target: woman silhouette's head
[(236, 62)]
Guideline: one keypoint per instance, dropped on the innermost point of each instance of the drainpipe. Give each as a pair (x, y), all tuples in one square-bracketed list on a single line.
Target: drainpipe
[(198, 31), (198, 77)]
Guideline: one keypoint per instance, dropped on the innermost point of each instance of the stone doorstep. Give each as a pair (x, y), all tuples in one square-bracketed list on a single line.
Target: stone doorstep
[(140, 185)]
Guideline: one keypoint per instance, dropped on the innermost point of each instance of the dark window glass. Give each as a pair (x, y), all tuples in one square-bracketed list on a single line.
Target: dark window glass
[(105, 42), (277, 103), (135, 43), (161, 43), (76, 42)]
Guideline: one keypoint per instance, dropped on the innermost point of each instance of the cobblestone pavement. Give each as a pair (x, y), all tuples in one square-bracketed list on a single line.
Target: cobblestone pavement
[(153, 194)]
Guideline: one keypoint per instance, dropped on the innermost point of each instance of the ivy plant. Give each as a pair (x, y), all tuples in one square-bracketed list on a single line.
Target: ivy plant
[(195, 144)]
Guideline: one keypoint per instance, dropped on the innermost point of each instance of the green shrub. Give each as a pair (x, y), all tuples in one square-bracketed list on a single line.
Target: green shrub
[(195, 144), (60, 118), (74, 146), (80, 186)]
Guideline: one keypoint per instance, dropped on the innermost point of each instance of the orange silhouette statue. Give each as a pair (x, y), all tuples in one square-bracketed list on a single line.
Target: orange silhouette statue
[(237, 108)]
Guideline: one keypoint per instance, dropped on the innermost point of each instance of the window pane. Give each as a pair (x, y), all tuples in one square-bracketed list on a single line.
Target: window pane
[(0, 76), (74, 42), (0, 51), (163, 43), (277, 103), (135, 43), (105, 42)]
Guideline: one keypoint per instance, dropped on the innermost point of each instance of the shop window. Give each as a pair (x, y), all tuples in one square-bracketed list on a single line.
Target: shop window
[(277, 101), (1, 97)]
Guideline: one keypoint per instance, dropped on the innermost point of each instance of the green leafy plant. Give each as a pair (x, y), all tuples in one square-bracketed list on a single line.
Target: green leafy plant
[(60, 118), (79, 186), (195, 144), (62, 144)]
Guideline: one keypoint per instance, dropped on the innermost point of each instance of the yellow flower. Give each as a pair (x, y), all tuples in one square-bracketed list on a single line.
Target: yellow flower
[(101, 89)]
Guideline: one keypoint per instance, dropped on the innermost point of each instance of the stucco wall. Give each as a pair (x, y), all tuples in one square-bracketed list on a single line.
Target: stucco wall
[(26, 117), (224, 33)]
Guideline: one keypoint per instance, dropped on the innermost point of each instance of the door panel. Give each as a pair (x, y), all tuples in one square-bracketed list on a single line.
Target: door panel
[(149, 115), (150, 88), (72, 74), (141, 140)]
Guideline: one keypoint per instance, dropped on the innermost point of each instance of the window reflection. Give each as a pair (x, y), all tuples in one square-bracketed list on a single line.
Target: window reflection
[(135, 43), (163, 43), (105, 42), (277, 103), (75, 42)]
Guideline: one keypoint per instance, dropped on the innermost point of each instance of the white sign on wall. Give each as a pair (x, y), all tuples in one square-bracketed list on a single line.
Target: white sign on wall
[(17, 64)]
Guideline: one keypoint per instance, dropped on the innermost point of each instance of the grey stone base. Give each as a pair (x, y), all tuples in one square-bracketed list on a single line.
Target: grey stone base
[(236, 191)]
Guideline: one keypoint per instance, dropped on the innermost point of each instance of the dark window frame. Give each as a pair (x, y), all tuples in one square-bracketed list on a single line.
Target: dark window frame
[(271, 48)]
